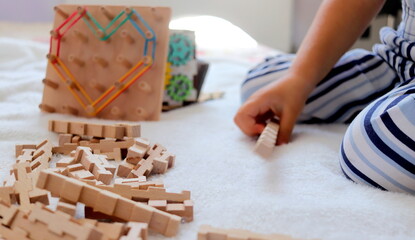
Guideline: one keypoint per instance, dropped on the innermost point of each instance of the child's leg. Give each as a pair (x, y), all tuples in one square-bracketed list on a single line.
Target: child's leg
[(379, 146), (356, 80)]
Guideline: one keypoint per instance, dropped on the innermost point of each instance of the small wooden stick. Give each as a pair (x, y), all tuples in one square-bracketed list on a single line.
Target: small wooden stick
[(71, 110), (61, 12), (101, 61), (121, 59), (127, 36), (96, 85), (76, 60), (81, 36), (47, 108), (50, 83), (107, 13)]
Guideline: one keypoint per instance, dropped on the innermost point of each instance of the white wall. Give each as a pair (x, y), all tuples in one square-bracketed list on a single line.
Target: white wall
[(27, 10), (268, 21), (303, 15)]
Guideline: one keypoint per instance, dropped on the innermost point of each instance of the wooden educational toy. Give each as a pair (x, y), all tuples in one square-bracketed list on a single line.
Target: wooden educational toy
[(107, 62), (181, 69), (207, 232), (185, 74), (266, 142)]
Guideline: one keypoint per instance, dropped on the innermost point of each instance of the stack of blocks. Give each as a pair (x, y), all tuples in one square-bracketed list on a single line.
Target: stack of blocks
[(85, 176)]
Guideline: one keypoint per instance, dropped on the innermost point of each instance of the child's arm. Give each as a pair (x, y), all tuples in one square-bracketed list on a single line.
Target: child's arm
[(336, 27)]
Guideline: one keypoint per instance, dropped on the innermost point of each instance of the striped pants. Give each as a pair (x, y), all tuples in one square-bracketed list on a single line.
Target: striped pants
[(365, 90)]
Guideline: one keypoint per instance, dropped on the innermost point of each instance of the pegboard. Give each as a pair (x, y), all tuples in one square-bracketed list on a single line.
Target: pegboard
[(107, 62)]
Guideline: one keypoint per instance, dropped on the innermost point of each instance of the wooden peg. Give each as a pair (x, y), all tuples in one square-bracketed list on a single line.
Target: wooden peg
[(107, 13), (47, 108), (149, 35), (61, 12), (96, 85), (102, 35), (127, 36), (101, 61), (81, 10), (52, 58), (90, 109), (50, 83), (141, 112), (117, 112), (129, 11), (121, 59), (71, 84), (147, 60), (144, 86), (71, 110), (119, 85), (76, 60), (81, 36), (54, 34)]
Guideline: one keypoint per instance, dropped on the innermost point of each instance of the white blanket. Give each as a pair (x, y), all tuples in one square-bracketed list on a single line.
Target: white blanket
[(300, 191)]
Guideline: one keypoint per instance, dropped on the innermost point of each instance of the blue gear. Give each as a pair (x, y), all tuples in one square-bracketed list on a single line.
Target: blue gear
[(181, 49)]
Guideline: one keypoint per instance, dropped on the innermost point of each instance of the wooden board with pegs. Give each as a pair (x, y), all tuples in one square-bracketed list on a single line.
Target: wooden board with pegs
[(107, 62)]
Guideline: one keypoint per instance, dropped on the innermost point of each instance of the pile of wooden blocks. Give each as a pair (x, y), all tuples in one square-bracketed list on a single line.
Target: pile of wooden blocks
[(115, 191)]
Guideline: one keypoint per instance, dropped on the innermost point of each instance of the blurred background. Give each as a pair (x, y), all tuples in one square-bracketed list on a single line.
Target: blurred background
[(280, 24)]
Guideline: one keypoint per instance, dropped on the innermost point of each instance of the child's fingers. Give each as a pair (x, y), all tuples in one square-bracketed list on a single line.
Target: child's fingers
[(287, 122), (246, 119), (247, 124)]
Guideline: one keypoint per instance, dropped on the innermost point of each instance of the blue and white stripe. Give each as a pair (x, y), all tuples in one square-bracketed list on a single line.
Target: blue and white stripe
[(379, 147)]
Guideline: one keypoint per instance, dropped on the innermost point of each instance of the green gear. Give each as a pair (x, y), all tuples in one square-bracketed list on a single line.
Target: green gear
[(181, 49), (179, 87)]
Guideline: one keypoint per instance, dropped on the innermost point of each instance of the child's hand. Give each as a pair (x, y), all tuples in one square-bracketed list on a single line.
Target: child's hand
[(284, 99)]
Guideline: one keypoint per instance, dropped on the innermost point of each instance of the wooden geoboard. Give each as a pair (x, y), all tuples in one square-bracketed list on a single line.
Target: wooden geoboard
[(107, 62)]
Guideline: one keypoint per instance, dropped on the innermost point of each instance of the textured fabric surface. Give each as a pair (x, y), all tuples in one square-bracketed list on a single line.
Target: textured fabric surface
[(299, 191)]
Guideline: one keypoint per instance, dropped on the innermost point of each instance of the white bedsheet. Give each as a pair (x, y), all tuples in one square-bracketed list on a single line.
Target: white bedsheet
[(300, 191)]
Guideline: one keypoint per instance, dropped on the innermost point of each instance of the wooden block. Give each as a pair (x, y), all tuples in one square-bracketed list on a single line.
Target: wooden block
[(71, 190), (7, 213), (68, 208), (65, 149), (19, 148), (124, 169), (65, 161), (132, 130), (184, 210), (6, 194), (162, 163), (26, 155), (81, 175), (159, 204), (64, 138), (207, 232), (136, 231), (112, 230), (138, 151), (266, 141)]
